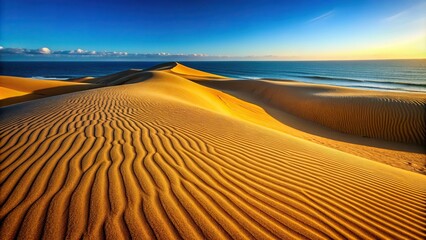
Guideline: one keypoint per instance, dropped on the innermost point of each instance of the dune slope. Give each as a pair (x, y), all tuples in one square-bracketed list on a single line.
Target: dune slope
[(393, 116), (16, 89), (184, 71), (322, 114), (167, 158)]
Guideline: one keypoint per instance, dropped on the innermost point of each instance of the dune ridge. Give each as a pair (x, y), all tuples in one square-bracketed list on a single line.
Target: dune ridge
[(163, 157)]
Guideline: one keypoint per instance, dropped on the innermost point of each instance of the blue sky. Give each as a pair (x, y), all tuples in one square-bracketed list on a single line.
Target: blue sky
[(231, 29)]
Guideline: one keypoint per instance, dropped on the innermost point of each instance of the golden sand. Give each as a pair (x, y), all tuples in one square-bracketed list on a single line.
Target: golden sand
[(15, 89), (388, 127), (151, 154)]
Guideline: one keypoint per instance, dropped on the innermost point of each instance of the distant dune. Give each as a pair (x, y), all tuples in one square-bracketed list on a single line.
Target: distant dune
[(172, 152), (396, 117), (16, 89)]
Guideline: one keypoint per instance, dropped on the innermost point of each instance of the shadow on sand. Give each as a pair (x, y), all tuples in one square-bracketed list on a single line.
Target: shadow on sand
[(305, 125)]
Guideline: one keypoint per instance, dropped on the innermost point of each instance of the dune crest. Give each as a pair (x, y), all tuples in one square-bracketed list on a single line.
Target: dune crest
[(192, 74), (150, 154)]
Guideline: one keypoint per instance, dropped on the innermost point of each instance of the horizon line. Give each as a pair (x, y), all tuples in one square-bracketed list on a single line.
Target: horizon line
[(220, 60)]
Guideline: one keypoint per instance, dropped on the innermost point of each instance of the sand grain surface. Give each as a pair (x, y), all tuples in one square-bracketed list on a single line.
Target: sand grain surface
[(151, 154)]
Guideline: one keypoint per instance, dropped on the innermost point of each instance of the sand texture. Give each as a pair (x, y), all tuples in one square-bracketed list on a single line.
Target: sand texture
[(16, 89), (151, 154)]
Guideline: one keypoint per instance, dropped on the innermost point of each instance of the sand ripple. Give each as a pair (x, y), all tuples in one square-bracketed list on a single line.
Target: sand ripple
[(169, 159)]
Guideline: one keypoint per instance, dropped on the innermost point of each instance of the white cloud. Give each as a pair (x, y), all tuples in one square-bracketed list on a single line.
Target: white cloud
[(78, 51), (395, 16), (44, 50), (22, 51), (415, 11), (86, 53), (322, 16)]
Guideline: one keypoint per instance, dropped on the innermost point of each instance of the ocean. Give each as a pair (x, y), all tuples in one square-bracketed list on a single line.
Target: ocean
[(386, 75)]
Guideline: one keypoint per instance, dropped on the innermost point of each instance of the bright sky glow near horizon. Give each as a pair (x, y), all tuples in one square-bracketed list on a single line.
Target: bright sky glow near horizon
[(231, 29)]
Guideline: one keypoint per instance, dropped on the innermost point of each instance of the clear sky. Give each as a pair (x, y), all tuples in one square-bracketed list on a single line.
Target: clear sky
[(221, 29)]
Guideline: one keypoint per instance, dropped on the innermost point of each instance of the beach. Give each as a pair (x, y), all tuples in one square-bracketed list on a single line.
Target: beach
[(173, 152)]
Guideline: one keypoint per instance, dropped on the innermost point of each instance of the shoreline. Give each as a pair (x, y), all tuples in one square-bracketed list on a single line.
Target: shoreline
[(394, 75)]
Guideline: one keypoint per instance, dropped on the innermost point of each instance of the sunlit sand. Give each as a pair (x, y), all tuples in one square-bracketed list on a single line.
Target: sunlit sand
[(172, 152)]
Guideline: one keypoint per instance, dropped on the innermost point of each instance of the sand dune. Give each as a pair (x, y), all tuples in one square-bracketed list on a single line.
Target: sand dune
[(81, 79), (390, 116), (194, 74), (369, 116), (159, 156), (16, 89)]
